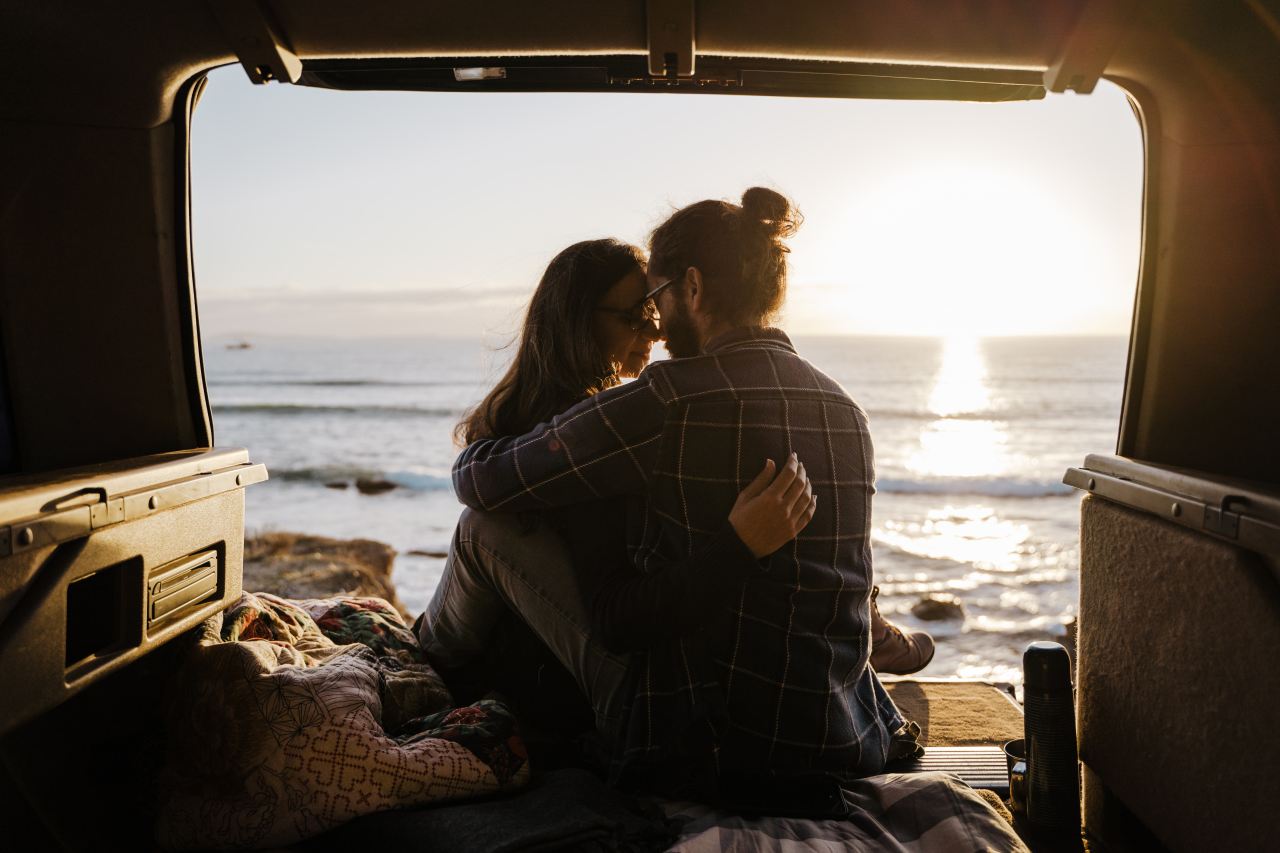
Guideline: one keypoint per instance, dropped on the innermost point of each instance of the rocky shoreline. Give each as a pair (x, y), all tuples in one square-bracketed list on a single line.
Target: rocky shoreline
[(299, 565)]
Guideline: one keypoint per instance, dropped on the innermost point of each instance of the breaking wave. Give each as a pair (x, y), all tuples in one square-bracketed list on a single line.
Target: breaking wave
[(417, 481), (305, 409), (929, 415), (254, 381), (428, 481), (987, 487)]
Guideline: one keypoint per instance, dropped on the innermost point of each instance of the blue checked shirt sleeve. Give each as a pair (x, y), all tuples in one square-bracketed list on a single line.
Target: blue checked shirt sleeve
[(606, 445)]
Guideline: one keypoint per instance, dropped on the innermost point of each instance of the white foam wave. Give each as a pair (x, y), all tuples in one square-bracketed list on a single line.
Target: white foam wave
[(421, 481), (321, 410), (414, 480), (432, 480), (996, 487)]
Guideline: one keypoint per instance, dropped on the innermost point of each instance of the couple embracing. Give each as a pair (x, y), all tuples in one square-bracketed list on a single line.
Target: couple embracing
[(693, 546)]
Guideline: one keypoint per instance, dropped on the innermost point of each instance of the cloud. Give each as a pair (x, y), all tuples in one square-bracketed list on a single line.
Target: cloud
[(438, 312), (438, 297)]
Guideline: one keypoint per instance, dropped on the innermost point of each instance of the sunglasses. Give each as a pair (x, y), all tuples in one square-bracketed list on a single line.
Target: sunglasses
[(644, 312), (637, 317), (652, 294)]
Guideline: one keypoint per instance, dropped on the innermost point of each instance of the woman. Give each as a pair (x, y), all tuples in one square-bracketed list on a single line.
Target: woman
[(587, 329)]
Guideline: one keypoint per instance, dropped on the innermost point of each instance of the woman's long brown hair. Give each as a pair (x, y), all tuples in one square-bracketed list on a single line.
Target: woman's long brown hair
[(557, 362)]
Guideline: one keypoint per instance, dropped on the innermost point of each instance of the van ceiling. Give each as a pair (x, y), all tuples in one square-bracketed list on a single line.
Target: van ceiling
[(117, 65)]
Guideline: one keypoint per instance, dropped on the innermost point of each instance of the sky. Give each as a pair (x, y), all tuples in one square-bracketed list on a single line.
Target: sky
[(354, 214)]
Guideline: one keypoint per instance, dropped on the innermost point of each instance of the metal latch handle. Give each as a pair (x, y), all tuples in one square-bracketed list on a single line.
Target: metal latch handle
[(1224, 519), (672, 47), (84, 497)]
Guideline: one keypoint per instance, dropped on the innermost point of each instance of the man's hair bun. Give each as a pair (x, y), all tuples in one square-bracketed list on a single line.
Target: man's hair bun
[(772, 210), (738, 248)]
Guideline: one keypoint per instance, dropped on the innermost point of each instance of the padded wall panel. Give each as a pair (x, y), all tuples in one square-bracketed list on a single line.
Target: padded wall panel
[(6, 428), (1177, 683), (91, 305), (1203, 392), (1209, 398)]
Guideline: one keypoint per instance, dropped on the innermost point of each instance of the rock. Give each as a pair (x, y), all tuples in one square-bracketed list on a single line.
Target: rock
[(337, 484), (369, 486), (418, 552), (293, 565), (937, 607)]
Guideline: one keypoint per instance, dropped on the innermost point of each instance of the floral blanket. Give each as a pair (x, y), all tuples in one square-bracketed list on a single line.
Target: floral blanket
[(291, 717)]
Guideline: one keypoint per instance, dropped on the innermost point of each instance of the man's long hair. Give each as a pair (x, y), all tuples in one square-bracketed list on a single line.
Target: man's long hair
[(738, 249), (557, 362)]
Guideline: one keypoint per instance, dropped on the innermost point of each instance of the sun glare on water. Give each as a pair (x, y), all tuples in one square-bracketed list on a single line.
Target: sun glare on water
[(960, 443), (969, 534), (961, 386)]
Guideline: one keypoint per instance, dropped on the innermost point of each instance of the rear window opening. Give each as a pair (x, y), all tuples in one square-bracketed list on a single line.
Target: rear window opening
[(965, 270)]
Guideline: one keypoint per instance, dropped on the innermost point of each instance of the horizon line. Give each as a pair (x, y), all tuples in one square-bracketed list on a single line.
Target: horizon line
[(250, 337)]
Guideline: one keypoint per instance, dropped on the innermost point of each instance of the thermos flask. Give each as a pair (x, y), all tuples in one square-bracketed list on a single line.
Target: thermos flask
[(1053, 776)]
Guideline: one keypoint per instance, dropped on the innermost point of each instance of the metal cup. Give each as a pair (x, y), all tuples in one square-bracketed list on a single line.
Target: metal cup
[(1015, 759)]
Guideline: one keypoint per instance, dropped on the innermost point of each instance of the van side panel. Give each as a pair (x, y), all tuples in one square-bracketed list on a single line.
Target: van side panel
[(6, 426), (91, 296), (1202, 389), (1177, 681)]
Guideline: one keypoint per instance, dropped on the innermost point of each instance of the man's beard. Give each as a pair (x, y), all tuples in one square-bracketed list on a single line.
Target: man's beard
[(682, 337)]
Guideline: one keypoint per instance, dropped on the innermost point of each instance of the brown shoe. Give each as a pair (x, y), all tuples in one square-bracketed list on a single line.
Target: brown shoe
[(894, 651)]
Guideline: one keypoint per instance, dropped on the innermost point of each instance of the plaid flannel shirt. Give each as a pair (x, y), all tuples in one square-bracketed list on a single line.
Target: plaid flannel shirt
[(780, 672)]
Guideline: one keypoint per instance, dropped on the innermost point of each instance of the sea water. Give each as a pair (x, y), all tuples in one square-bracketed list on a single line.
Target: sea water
[(971, 438)]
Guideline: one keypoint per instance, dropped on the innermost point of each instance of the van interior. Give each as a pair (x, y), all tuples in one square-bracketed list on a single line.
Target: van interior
[(122, 520)]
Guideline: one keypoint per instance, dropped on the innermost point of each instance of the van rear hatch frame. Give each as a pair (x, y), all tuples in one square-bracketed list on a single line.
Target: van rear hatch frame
[(1243, 512), (717, 75)]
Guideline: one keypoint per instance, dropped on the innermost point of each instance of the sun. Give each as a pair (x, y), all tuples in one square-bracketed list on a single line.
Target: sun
[(966, 248)]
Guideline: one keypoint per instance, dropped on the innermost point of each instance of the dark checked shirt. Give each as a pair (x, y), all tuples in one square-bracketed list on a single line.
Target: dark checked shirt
[(779, 674)]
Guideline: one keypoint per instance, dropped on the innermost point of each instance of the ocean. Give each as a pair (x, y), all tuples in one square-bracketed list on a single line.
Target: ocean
[(971, 439)]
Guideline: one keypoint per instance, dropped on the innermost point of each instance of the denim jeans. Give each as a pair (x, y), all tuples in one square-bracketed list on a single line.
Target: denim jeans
[(499, 565)]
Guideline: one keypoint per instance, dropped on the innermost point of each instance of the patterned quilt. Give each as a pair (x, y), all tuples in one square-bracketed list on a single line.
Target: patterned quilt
[(895, 812), (291, 717)]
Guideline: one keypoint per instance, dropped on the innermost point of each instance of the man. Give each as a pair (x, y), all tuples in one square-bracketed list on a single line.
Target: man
[(776, 677)]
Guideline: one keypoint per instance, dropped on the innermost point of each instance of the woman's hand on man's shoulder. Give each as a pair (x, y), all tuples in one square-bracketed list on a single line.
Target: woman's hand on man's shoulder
[(774, 507)]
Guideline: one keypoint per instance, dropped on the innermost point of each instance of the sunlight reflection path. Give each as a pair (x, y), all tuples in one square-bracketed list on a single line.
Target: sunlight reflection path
[(957, 446), (961, 386), (961, 444), (961, 516), (968, 534)]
